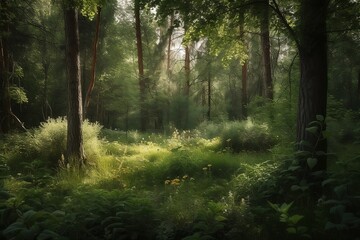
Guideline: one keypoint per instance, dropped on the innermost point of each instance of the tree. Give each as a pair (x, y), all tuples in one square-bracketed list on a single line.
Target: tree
[(265, 47), (142, 80), (75, 151), (313, 82), (93, 63)]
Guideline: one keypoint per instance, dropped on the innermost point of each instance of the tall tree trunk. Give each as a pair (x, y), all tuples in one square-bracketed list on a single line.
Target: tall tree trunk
[(45, 105), (168, 55), (75, 151), (187, 71), (209, 95), (5, 111), (244, 67), (358, 85), (313, 82), (142, 83), (93, 63), (265, 47)]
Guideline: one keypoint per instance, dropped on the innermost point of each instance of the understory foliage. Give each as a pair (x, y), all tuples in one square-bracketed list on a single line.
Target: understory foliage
[(184, 186)]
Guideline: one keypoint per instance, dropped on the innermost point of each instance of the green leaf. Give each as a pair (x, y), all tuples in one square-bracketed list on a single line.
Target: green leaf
[(291, 230), (294, 219), (327, 181), (312, 130), (341, 190), (295, 187), (302, 229), (311, 162), (285, 207), (320, 118), (47, 234), (220, 218), (274, 206)]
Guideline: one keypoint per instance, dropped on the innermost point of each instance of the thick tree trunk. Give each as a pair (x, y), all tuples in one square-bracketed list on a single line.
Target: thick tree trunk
[(93, 63), (142, 83), (75, 151), (313, 82), (5, 108), (265, 46)]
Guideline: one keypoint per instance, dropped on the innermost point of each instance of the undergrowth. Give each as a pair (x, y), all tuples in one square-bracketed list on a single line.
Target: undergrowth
[(188, 185)]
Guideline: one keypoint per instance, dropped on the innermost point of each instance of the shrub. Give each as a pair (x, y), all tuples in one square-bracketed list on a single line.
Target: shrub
[(47, 144), (246, 136)]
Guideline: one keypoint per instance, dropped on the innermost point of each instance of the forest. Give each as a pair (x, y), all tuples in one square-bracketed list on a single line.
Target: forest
[(179, 119)]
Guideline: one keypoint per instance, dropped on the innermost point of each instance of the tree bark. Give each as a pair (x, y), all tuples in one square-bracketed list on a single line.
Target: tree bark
[(187, 71), (265, 46), (244, 67), (209, 93), (75, 151), (142, 82), (93, 63), (5, 111), (313, 82)]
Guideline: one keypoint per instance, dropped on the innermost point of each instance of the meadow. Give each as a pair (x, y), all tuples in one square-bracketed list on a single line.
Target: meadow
[(231, 180)]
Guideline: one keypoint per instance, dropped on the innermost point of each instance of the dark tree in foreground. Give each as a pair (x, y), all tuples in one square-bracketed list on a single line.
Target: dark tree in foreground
[(75, 150), (265, 48), (313, 83)]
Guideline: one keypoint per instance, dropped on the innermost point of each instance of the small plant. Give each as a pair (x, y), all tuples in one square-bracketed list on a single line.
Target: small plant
[(291, 221)]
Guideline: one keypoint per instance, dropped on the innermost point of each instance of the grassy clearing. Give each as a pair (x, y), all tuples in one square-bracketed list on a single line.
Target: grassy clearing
[(184, 186)]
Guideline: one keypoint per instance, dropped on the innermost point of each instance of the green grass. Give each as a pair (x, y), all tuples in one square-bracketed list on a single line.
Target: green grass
[(144, 186)]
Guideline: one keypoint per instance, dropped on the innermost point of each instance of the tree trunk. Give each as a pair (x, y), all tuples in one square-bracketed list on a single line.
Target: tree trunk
[(187, 71), (265, 47), (313, 82), (168, 57), (244, 67), (209, 93), (358, 85), (142, 84), (75, 151), (93, 63), (5, 111)]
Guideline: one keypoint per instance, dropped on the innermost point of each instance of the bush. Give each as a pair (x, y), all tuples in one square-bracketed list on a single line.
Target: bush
[(47, 144), (246, 136)]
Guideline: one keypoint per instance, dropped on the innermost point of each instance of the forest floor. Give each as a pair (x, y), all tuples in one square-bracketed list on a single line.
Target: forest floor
[(151, 186)]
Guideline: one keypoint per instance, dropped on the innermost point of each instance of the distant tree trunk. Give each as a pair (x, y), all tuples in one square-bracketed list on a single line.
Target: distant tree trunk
[(93, 63), (46, 105), (187, 71), (244, 67), (265, 46), (209, 93), (168, 55), (358, 84), (142, 82), (313, 82), (75, 151)]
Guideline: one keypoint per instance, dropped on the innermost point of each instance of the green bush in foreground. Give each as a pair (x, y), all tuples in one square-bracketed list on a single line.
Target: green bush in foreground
[(47, 144)]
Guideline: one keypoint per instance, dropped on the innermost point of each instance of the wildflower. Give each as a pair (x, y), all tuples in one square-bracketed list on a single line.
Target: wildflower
[(185, 177), (205, 168), (209, 165), (167, 182), (175, 182)]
